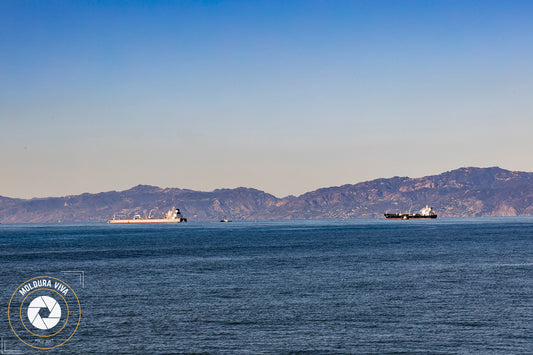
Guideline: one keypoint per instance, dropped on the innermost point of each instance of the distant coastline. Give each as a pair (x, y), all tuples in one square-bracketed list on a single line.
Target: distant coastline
[(464, 192)]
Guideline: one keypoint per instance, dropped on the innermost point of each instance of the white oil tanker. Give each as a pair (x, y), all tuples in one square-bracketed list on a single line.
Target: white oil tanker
[(172, 216)]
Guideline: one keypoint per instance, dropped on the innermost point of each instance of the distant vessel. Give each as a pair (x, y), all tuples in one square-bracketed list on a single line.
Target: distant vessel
[(426, 212), (225, 219), (172, 216)]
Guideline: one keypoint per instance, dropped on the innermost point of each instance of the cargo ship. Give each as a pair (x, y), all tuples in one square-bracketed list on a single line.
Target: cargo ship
[(172, 216), (426, 212)]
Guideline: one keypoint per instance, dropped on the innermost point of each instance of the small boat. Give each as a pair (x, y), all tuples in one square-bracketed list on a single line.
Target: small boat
[(225, 219), (424, 213)]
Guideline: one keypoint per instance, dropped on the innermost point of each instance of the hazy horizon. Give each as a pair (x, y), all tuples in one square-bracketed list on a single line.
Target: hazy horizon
[(284, 97)]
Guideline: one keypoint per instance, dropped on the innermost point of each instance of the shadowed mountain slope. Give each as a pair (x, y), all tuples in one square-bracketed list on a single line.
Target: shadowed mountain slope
[(465, 192)]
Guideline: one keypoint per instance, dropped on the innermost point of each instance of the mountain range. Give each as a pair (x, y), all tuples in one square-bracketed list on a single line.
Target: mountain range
[(464, 192)]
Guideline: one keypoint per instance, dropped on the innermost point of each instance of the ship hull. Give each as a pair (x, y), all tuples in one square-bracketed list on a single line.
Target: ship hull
[(407, 216), (146, 221)]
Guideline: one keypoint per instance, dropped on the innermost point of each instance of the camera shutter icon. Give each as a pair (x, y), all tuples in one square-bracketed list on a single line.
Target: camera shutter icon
[(35, 312)]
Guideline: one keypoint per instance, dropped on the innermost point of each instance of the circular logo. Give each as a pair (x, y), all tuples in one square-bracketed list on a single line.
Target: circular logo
[(44, 303), (44, 312)]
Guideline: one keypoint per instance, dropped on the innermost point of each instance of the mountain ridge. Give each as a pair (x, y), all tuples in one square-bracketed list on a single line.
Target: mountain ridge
[(463, 192)]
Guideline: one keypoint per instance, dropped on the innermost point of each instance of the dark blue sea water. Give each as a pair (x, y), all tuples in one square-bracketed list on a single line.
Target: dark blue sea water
[(449, 286)]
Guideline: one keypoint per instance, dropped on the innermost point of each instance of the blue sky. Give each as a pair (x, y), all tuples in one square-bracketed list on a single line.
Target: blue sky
[(283, 96)]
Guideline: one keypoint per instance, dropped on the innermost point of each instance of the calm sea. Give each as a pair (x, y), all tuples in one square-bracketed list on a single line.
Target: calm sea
[(450, 286)]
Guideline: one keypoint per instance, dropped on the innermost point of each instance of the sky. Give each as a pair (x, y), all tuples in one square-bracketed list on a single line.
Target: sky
[(281, 96)]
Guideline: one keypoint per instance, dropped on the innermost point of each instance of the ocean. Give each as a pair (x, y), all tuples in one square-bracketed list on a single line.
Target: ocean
[(446, 286)]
